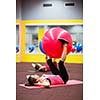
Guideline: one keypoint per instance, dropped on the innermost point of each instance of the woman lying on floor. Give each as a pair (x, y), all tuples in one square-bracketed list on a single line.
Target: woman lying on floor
[(60, 74), (43, 68)]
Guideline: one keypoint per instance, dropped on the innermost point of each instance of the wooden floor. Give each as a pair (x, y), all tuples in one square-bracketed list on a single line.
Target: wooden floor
[(74, 92)]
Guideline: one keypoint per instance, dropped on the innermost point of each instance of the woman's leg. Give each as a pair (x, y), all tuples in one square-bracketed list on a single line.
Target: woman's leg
[(64, 74), (62, 68), (53, 68)]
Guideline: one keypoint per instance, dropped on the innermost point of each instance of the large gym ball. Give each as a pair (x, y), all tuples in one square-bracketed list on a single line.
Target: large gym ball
[(41, 48), (51, 42)]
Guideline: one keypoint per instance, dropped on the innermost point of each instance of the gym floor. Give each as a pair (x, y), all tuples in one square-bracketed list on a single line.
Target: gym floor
[(74, 92)]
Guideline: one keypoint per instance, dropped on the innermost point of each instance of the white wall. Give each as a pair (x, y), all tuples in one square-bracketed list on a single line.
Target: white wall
[(33, 9)]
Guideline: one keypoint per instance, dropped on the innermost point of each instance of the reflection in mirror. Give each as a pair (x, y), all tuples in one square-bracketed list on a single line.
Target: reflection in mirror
[(32, 39), (76, 32), (32, 34)]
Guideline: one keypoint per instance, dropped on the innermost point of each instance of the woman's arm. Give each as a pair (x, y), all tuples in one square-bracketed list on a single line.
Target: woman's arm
[(43, 67), (64, 53), (44, 83)]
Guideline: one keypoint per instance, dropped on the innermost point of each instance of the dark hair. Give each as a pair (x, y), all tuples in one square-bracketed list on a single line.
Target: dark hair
[(31, 80), (63, 41), (42, 70), (37, 67)]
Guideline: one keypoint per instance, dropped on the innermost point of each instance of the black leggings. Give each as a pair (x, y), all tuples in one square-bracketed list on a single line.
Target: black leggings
[(62, 72)]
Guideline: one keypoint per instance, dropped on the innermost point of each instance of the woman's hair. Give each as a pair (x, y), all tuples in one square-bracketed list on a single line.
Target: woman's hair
[(37, 67), (31, 80), (63, 41), (42, 70)]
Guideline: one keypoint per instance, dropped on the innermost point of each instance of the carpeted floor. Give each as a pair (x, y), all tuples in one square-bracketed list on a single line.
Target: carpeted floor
[(74, 92)]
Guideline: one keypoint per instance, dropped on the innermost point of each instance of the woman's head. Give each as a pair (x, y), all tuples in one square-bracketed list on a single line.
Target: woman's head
[(37, 66), (32, 79)]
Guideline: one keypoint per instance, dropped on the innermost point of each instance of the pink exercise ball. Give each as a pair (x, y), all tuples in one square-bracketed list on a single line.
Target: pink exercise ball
[(51, 42)]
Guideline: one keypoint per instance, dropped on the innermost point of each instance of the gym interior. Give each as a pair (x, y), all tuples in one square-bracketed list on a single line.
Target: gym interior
[(33, 18)]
